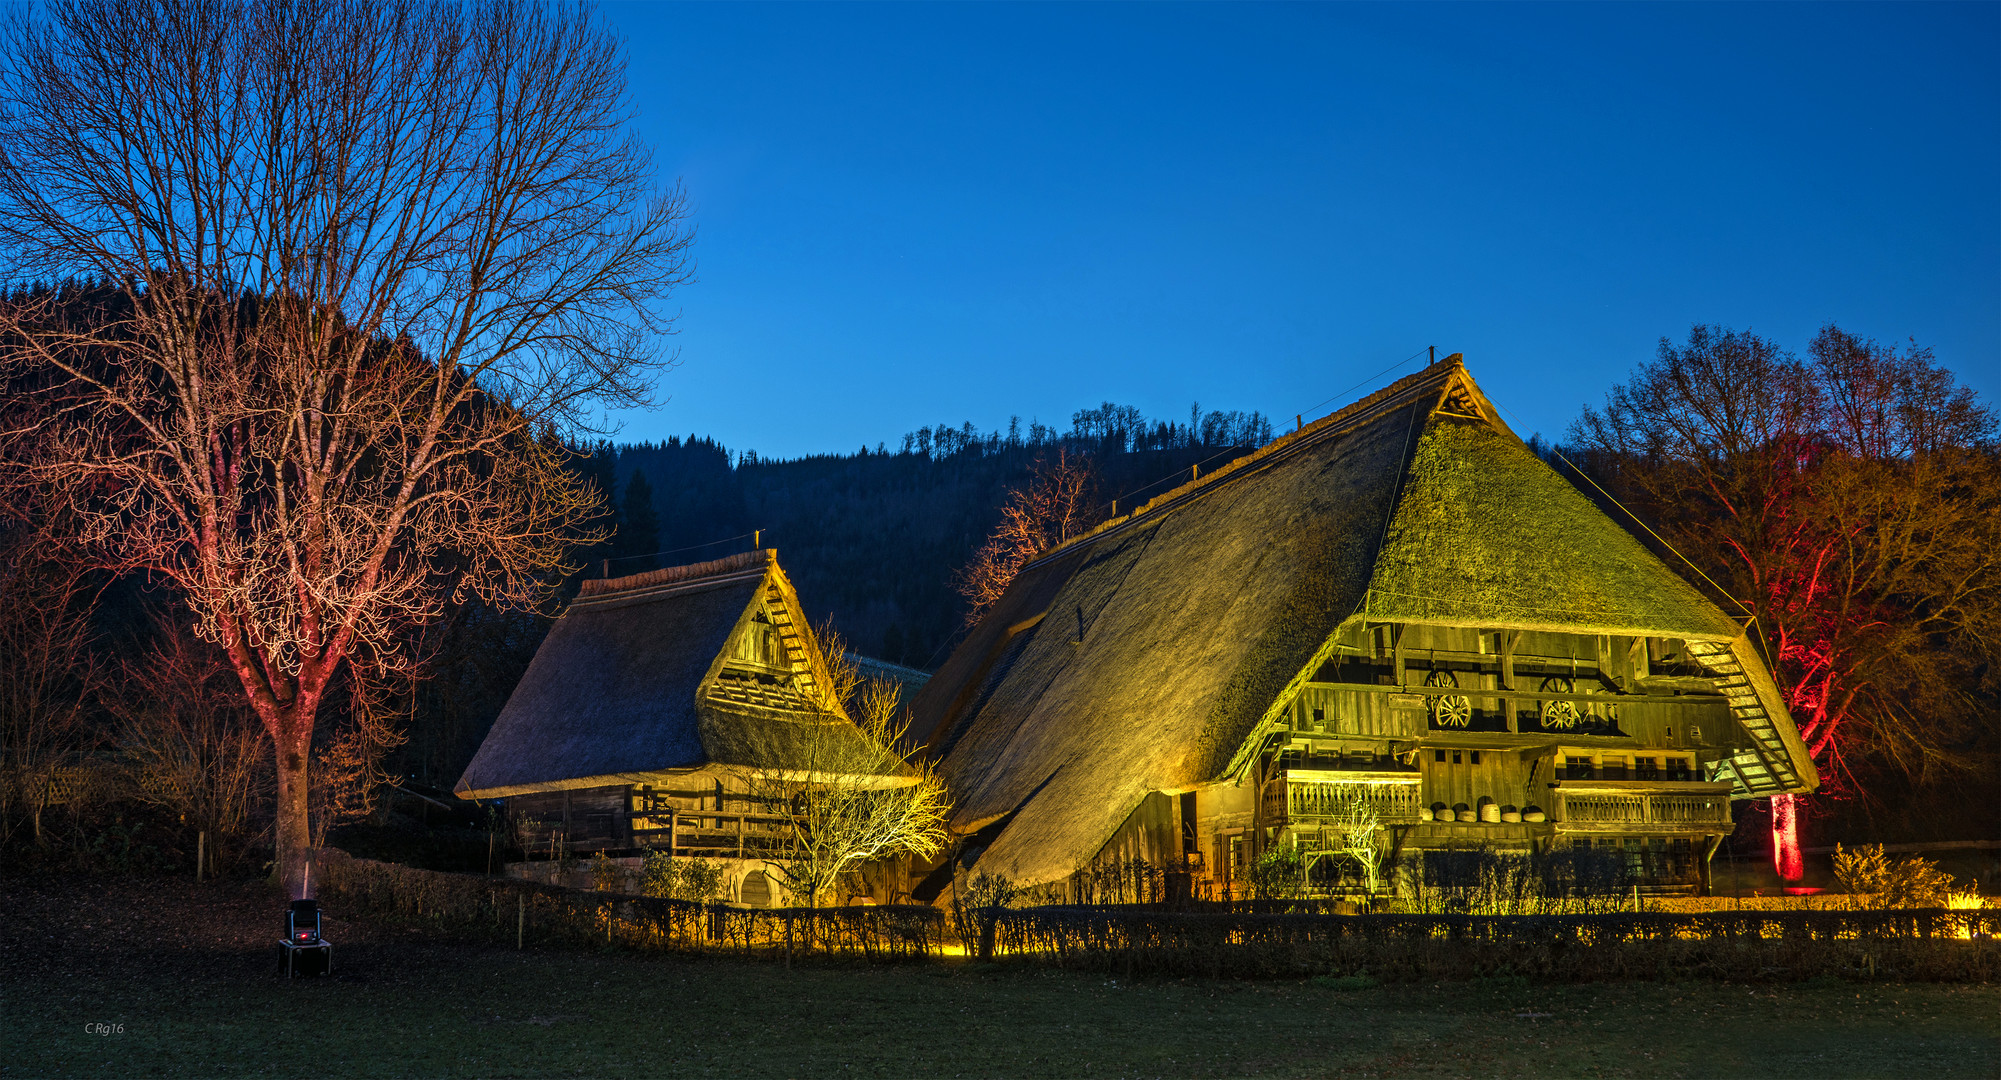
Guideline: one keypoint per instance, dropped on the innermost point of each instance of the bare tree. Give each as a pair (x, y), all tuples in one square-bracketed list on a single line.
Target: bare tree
[(849, 798), (1849, 504), (190, 739), (47, 677), (348, 770), (364, 262), (1357, 830), (1058, 502)]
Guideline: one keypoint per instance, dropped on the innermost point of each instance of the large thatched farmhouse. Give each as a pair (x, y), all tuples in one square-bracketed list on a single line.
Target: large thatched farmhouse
[(653, 710), (1399, 605)]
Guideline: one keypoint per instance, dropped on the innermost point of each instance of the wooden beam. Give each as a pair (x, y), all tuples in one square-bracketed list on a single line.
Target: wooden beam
[(1606, 699)]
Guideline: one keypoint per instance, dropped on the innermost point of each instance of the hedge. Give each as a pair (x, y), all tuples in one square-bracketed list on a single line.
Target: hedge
[(1925, 945), (1223, 941), (469, 907)]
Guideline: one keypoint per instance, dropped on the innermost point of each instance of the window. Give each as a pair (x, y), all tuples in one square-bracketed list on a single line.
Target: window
[(1576, 768), (1677, 768), (1438, 755), (1646, 768), (1455, 758), (1476, 757)]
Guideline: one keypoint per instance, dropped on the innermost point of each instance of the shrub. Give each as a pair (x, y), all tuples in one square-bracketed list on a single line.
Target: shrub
[(1279, 874), (1895, 883), (606, 876), (1565, 881), (672, 878), (1121, 881), (1861, 870), (976, 905)]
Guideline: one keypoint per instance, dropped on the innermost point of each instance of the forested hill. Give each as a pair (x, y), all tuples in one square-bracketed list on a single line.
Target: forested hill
[(874, 537)]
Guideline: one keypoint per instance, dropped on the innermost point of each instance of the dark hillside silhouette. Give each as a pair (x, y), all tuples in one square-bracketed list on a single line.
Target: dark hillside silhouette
[(873, 538)]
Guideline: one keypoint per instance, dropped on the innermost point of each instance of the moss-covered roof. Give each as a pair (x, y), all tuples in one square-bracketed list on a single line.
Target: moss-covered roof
[(1486, 534), (1139, 657)]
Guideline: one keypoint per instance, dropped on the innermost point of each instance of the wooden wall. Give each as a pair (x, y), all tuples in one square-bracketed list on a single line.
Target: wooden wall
[(1501, 775)]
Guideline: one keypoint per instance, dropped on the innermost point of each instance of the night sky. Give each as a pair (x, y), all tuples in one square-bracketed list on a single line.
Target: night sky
[(922, 214)]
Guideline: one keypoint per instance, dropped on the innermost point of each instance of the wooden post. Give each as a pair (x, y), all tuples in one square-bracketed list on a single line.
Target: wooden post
[(201, 852), (520, 919)]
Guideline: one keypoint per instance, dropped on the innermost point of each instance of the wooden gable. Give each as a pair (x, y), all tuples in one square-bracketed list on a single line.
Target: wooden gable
[(771, 662)]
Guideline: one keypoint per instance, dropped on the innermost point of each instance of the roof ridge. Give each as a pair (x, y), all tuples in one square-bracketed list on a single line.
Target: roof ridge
[(687, 572), (1332, 423)]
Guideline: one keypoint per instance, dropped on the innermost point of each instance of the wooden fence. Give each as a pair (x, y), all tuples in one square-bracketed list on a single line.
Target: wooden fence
[(510, 911)]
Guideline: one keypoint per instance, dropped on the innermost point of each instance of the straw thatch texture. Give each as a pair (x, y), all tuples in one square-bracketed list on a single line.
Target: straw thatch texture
[(1485, 534), (1141, 656), (1162, 646), (615, 693)]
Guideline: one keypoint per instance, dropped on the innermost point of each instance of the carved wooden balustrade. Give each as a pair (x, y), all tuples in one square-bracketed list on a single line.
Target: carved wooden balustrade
[(1291, 797), (1686, 810)]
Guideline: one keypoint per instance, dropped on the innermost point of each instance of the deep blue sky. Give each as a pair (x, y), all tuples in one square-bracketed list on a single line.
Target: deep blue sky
[(916, 214)]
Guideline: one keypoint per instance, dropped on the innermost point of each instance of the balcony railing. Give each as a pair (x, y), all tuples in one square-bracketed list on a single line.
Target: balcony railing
[(1635, 810), (708, 833), (1293, 797)]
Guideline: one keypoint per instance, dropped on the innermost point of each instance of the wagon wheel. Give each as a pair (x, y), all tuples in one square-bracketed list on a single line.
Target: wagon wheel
[(1559, 715), (1449, 710)]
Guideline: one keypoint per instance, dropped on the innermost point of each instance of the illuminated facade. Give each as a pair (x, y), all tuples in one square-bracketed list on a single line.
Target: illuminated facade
[(649, 713), (1400, 605)]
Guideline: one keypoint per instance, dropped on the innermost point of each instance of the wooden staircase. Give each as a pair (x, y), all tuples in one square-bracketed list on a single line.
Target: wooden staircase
[(1765, 768)]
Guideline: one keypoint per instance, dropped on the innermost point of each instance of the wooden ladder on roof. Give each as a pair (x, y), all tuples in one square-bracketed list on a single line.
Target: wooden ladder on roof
[(1765, 768), (787, 629)]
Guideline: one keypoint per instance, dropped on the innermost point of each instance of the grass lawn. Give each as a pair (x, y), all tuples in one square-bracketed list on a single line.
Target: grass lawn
[(201, 1000)]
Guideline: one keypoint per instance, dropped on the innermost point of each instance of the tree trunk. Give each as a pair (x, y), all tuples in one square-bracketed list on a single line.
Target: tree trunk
[(1786, 860), (294, 836)]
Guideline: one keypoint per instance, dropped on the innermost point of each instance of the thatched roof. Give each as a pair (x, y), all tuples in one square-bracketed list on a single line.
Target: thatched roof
[(1140, 656), (628, 687), (908, 680)]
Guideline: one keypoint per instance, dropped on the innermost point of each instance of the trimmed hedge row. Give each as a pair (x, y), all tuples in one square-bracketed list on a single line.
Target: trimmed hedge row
[(1920, 945), (1925, 945), (470, 907)]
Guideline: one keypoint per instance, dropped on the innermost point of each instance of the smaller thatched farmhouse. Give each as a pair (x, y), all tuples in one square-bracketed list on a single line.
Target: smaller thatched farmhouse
[(1398, 614), (656, 709)]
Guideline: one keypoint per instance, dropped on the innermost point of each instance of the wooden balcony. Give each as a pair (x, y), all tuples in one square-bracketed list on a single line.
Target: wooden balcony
[(712, 834), (1640, 807), (1317, 796)]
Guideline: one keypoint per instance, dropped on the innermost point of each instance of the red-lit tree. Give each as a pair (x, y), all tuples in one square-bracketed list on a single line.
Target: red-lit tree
[(1847, 504), (1059, 501), (359, 263)]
